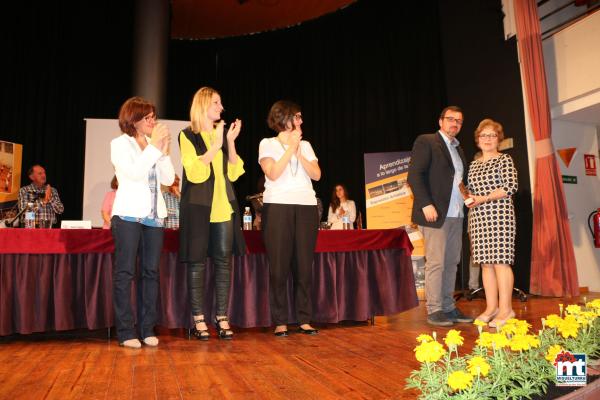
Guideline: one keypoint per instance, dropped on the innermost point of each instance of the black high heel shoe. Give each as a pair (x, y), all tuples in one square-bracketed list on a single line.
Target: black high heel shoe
[(201, 334), (226, 334)]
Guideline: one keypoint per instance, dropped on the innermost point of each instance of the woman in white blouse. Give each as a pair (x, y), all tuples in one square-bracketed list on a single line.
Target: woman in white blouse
[(290, 216), (142, 163), (341, 206)]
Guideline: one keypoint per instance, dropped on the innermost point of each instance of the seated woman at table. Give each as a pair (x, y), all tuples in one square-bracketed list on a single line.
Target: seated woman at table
[(341, 206), (290, 216), (142, 163), (209, 219), (107, 203)]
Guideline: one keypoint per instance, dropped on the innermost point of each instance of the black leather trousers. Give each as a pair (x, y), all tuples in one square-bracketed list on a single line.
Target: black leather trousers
[(220, 244)]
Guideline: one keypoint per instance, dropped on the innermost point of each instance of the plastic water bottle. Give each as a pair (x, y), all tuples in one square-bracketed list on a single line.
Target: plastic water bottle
[(30, 216), (247, 219), (346, 222), (420, 276)]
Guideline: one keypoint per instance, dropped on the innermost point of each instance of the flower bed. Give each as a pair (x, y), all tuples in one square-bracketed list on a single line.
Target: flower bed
[(510, 363)]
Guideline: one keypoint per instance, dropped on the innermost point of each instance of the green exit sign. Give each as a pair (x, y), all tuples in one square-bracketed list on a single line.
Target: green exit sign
[(569, 179)]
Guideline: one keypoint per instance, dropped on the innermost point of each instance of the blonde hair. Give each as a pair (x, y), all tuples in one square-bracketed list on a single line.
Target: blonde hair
[(199, 109)]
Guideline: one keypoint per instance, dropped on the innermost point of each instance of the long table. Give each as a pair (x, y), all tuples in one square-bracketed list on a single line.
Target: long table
[(55, 279)]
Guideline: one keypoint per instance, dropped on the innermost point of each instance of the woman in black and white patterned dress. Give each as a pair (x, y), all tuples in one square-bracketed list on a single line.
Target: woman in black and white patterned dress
[(492, 181)]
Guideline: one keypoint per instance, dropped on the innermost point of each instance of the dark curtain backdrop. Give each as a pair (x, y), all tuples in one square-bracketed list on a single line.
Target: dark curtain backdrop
[(368, 79), (482, 75), (62, 62)]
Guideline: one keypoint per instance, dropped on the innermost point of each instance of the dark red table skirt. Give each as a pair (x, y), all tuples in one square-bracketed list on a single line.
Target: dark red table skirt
[(63, 291), (74, 241)]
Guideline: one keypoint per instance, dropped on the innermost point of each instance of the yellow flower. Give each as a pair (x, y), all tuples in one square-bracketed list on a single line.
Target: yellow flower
[(523, 342), (573, 309), (453, 338), (553, 320), (552, 352), (478, 365), (589, 316), (568, 327), (515, 327), (429, 351), (498, 340), (424, 338), (460, 380), (593, 304), (479, 322)]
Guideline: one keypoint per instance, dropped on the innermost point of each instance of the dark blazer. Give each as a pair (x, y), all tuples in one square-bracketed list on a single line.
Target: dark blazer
[(431, 176)]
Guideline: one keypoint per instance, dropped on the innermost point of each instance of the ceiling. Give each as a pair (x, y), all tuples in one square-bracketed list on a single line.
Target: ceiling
[(209, 19)]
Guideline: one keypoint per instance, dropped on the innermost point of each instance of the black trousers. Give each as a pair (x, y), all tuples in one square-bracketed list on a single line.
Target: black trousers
[(220, 248), (290, 236), (133, 239)]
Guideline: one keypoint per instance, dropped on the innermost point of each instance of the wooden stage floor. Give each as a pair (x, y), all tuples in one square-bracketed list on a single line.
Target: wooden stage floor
[(350, 360)]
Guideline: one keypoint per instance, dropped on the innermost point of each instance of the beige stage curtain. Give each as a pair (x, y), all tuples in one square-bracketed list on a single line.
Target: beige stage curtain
[(553, 268)]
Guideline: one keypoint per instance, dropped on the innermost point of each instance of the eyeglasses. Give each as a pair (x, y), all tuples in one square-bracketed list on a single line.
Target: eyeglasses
[(488, 135), (452, 119), (150, 118)]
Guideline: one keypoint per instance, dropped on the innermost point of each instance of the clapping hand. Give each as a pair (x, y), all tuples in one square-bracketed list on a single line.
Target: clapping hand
[(218, 143), (234, 130), (48, 194), (295, 139), (160, 138)]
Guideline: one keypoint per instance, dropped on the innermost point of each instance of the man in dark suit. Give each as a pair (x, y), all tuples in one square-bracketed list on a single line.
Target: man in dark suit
[(436, 169)]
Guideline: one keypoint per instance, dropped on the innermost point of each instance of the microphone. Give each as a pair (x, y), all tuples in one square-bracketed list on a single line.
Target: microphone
[(16, 218)]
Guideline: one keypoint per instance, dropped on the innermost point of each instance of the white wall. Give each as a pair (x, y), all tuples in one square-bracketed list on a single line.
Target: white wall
[(582, 198), (572, 60), (98, 167)]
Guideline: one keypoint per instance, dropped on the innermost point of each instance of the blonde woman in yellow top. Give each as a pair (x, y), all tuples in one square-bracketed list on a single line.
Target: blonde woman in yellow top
[(209, 220)]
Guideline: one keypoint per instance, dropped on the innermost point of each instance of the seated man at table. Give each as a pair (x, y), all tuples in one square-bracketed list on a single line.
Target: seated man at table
[(42, 195)]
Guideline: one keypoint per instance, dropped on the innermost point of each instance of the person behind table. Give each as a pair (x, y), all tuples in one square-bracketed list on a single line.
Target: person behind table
[(107, 203), (44, 196), (172, 195), (492, 180), (290, 216), (209, 210), (436, 170), (141, 160), (341, 206)]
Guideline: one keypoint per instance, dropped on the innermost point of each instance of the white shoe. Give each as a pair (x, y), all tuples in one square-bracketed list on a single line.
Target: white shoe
[(131, 343), (151, 341)]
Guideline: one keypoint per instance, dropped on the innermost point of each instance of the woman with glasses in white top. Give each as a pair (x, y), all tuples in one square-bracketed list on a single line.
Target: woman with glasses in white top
[(290, 216), (142, 163)]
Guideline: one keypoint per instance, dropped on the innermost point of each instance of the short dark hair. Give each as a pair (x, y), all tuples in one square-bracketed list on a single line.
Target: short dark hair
[(132, 111), (451, 108), (30, 170), (114, 183), (282, 113)]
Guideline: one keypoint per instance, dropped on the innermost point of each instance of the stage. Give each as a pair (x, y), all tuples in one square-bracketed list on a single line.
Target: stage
[(348, 360)]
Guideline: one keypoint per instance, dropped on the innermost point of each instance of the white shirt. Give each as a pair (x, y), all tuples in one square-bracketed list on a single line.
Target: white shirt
[(293, 186), (455, 208), (335, 219), (131, 167)]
